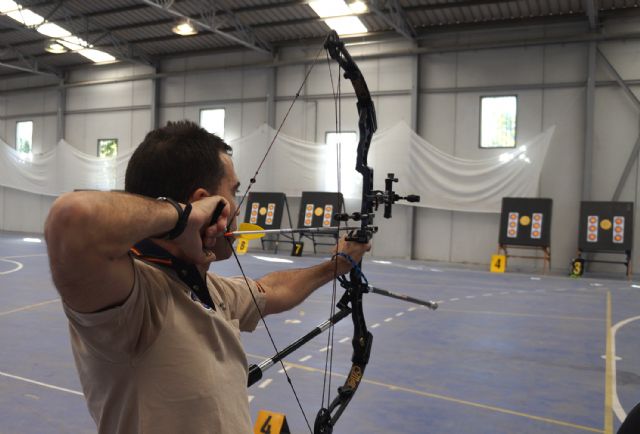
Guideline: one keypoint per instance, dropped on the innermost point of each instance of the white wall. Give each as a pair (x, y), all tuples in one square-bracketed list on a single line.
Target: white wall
[(548, 80)]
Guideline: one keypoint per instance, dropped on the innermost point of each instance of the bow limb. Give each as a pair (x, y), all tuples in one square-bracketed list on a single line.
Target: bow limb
[(356, 285)]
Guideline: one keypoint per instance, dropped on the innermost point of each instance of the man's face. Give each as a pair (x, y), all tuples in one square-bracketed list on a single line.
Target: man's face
[(228, 189)]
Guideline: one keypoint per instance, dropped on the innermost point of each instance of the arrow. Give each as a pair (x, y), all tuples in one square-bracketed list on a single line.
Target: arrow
[(251, 232)]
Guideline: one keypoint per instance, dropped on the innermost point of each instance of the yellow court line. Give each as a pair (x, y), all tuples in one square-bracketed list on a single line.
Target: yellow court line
[(31, 306), (448, 398), (608, 383), (532, 315)]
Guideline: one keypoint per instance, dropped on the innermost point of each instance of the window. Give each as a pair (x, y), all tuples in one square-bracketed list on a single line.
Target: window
[(498, 121), (212, 120), (350, 180), (107, 148), (24, 136)]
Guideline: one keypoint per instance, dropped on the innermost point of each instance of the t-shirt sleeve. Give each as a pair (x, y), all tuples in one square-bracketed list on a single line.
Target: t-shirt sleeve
[(128, 329), (239, 300)]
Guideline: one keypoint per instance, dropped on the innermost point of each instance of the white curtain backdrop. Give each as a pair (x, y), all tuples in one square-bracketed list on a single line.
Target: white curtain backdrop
[(293, 166)]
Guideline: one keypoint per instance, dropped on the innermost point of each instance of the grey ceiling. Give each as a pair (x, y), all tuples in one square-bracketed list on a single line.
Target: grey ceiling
[(136, 30)]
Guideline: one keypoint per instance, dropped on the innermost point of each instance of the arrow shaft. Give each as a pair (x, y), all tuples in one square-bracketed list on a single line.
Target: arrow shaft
[(330, 229)]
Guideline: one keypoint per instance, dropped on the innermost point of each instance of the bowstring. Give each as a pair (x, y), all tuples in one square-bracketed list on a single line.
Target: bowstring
[(237, 213), (255, 175), (328, 365)]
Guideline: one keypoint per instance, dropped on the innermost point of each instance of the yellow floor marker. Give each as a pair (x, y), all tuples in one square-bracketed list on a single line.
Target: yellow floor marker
[(270, 422), (498, 263), (243, 246)]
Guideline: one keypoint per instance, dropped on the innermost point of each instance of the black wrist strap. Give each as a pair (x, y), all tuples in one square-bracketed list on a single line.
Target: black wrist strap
[(183, 217)]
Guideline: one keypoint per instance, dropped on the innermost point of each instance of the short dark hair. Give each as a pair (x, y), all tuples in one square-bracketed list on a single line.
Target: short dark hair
[(175, 160)]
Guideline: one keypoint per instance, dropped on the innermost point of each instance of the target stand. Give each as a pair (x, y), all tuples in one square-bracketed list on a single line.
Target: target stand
[(605, 227), (266, 210), (525, 223), (317, 209)]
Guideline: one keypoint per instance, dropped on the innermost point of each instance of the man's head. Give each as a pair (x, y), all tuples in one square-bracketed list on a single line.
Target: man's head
[(175, 161)]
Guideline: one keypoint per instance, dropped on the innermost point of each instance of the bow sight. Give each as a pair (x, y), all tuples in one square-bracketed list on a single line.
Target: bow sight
[(377, 197)]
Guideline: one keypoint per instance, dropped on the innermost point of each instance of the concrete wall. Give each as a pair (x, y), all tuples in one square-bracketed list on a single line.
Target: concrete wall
[(549, 81)]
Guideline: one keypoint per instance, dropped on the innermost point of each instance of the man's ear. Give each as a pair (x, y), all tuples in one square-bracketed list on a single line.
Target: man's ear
[(199, 194)]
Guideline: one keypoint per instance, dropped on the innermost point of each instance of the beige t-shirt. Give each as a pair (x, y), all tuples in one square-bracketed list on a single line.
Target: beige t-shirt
[(164, 363)]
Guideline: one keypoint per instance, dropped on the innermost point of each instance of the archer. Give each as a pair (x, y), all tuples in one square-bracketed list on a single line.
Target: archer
[(155, 336)]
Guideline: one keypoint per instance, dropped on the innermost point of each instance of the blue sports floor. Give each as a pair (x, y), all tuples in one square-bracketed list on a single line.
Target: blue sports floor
[(511, 353)]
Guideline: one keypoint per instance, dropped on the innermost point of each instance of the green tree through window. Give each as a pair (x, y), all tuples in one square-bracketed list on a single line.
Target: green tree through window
[(107, 148)]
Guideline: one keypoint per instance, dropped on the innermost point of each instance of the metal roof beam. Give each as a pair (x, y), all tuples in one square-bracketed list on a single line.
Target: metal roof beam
[(209, 20), (82, 26), (393, 14), (591, 6), (26, 63)]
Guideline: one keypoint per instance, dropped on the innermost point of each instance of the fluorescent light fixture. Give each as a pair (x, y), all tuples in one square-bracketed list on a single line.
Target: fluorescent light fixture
[(53, 30), (346, 25), (74, 43), (32, 240), (26, 17), (330, 8), (97, 56), (358, 7), (8, 6), (54, 47), (268, 259), (184, 28)]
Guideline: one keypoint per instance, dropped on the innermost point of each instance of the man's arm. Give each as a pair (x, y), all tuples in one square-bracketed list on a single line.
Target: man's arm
[(286, 289), (89, 235)]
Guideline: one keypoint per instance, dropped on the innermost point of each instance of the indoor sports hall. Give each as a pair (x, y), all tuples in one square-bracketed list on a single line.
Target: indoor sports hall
[(332, 216)]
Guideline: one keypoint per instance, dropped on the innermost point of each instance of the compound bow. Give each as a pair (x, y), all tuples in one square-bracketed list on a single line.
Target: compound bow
[(356, 284)]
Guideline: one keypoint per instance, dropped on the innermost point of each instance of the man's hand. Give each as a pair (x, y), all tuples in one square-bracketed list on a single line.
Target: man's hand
[(354, 249), (199, 237)]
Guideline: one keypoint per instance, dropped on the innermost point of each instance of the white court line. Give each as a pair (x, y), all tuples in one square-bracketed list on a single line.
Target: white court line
[(343, 340), (13, 270), (470, 296), (23, 256), (251, 398), (617, 407), (265, 383), (31, 306), (400, 314), (375, 326), (323, 350), (388, 319), (49, 386), (411, 309), (454, 299), (304, 359)]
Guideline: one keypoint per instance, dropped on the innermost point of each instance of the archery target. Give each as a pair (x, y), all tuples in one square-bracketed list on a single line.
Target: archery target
[(265, 209), (606, 227), (254, 213), (328, 213), (512, 227), (271, 208), (525, 221), (536, 227), (318, 208), (308, 215)]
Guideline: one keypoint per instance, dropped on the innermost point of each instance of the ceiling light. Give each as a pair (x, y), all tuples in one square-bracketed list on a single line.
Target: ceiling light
[(26, 17), (184, 28), (54, 47), (330, 8), (346, 25), (97, 56), (74, 43), (8, 6), (53, 30), (358, 7)]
